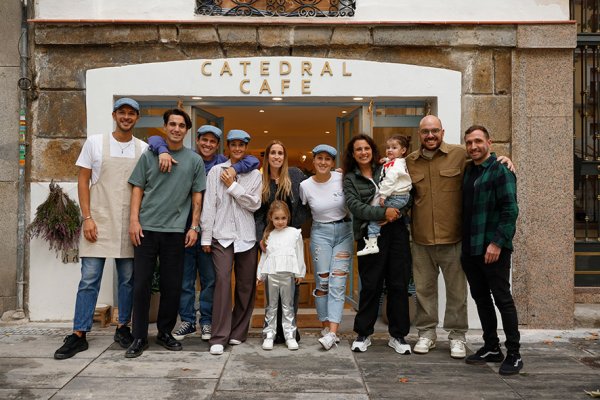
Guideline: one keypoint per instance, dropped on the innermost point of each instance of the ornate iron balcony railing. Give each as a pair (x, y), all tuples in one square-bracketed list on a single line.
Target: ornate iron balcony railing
[(277, 8)]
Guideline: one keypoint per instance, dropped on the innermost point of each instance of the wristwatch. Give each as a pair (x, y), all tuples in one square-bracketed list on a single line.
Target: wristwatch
[(195, 228)]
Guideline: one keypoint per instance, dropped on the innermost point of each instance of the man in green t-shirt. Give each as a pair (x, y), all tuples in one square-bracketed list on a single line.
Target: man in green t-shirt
[(160, 204)]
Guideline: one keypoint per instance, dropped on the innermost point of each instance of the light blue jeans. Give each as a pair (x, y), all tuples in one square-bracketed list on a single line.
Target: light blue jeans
[(197, 262), (395, 201), (89, 286), (331, 246)]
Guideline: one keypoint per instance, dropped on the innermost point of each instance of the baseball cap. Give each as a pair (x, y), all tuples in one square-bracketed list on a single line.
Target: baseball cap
[(210, 129), (238, 134), (324, 148), (126, 101)]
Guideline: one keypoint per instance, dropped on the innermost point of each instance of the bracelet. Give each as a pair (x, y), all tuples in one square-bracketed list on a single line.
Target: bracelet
[(86, 218)]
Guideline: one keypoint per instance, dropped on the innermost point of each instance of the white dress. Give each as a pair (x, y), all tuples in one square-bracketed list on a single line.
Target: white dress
[(285, 253)]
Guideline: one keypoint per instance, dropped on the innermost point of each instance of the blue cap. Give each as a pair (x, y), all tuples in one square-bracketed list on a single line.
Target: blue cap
[(324, 148), (210, 129), (238, 134), (126, 101)]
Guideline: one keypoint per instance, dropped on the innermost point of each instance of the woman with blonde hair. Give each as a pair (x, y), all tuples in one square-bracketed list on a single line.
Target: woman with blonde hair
[(280, 182)]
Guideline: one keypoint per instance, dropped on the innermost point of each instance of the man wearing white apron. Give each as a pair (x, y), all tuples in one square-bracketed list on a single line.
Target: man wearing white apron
[(106, 161)]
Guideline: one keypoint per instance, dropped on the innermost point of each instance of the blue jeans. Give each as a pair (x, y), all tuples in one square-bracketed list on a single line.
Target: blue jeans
[(89, 286), (331, 249), (197, 262), (395, 201)]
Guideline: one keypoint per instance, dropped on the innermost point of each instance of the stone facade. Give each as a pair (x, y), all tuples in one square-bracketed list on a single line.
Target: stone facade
[(517, 80), (10, 30)]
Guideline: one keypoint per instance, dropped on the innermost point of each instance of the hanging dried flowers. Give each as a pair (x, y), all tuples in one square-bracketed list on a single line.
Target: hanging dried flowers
[(57, 221)]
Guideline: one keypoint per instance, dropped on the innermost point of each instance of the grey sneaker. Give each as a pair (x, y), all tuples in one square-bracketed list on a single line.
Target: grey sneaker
[(360, 344), (185, 329), (206, 330), (400, 345), (329, 340)]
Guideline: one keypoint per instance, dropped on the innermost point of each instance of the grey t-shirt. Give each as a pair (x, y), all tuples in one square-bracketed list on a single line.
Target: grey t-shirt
[(167, 196)]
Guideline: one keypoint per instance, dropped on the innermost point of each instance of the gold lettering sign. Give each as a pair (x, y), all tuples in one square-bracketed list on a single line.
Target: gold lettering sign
[(303, 69)]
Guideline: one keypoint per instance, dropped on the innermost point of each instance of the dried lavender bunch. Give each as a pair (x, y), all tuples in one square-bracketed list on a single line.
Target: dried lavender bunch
[(57, 221)]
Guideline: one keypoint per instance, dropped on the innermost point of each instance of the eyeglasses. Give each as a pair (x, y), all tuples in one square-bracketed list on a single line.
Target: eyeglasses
[(433, 131)]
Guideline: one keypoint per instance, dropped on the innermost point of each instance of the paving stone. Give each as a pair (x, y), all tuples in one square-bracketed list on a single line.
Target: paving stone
[(309, 369), (548, 364), (145, 388), (38, 373), (157, 363), (30, 394), (552, 348), (241, 395), (19, 346), (553, 386)]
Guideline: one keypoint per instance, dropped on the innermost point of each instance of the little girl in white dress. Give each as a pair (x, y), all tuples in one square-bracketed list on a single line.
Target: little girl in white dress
[(281, 266)]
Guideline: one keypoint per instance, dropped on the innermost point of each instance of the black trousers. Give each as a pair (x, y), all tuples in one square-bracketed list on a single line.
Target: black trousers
[(168, 247), (493, 280), (391, 265)]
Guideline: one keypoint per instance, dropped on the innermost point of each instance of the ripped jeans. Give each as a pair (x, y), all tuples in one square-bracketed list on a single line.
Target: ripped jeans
[(331, 246)]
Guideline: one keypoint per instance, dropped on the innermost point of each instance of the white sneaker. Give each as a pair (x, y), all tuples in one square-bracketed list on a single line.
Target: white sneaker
[(370, 247), (400, 345), (457, 349), (291, 344), (234, 342), (329, 340), (267, 344), (216, 349), (325, 331), (360, 344), (424, 345)]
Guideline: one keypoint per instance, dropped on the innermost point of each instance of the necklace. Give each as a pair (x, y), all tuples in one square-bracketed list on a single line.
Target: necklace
[(124, 147)]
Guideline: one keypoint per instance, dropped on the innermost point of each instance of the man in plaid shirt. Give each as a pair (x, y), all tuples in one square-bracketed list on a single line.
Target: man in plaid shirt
[(489, 216)]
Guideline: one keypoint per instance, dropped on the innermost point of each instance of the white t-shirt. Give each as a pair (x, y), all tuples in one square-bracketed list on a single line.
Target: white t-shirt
[(326, 200), (91, 153)]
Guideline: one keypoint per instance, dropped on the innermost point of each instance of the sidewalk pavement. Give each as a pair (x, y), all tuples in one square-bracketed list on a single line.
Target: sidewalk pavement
[(558, 365)]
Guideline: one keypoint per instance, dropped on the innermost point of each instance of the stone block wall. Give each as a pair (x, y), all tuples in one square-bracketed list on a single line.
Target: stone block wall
[(517, 80), (10, 30)]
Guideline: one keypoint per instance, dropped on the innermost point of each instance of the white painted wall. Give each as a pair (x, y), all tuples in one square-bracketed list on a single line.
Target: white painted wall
[(52, 284), (367, 10)]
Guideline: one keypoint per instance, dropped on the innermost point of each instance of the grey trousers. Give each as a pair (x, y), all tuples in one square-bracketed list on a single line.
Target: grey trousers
[(280, 286), (228, 324)]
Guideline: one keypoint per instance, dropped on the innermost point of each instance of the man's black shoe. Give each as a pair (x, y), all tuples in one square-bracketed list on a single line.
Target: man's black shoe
[(73, 344), (123, 336), (137, 348), (167, 341), (512, 364), (485, 355)]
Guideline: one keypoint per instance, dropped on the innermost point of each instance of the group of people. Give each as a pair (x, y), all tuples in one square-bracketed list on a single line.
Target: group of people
[(202, 213)]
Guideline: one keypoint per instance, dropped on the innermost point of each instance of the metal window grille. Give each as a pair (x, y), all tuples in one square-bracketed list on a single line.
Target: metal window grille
[(277, 8)]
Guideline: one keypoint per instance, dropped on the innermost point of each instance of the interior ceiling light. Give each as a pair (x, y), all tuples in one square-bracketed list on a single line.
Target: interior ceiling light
[(196, 98), (261, 110), (344, 112), (277, 98), (326, 131), (358, 98), (265, 131)]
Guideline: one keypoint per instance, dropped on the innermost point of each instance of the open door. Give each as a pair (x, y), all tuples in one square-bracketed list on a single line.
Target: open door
[(347, 127)]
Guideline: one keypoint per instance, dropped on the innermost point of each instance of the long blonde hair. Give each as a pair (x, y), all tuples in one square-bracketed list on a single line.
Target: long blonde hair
[(276, 205), (284, 187)]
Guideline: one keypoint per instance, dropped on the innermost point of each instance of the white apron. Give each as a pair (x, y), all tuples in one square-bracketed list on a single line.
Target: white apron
[(110, 198)]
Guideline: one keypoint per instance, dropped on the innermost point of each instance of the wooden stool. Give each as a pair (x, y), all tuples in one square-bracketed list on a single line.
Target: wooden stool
[(102, 314)]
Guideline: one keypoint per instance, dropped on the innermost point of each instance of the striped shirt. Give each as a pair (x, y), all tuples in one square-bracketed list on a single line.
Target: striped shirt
[(228, 213), (489, 206)]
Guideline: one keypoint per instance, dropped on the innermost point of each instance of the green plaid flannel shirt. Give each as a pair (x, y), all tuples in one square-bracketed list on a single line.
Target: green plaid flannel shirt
[(495, 210)]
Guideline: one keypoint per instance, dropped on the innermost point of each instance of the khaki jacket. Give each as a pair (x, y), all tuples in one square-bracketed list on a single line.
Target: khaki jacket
[(437, 207)]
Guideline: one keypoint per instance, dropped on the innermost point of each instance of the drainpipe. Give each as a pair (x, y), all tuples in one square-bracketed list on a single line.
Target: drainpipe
[(24, 86)]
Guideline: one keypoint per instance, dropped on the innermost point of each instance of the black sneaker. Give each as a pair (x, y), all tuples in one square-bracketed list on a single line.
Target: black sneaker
[(73, 344), (185, 329), (485, 355), (123, 336), (511, 365)]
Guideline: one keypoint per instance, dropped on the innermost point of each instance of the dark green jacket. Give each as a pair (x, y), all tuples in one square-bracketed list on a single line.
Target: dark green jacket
[(359, 192)]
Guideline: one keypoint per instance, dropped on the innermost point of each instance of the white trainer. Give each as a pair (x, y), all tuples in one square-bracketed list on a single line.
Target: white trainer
[(370, 247), (424, 345), (325, 331), (267, 344), (291, 344), (329, 340), (457, 349), (216, 349), (400, 345), (360, 344), (234, 342)]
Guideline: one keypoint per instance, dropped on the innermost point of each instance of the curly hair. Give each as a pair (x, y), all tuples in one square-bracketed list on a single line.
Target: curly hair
[(349, 162)]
